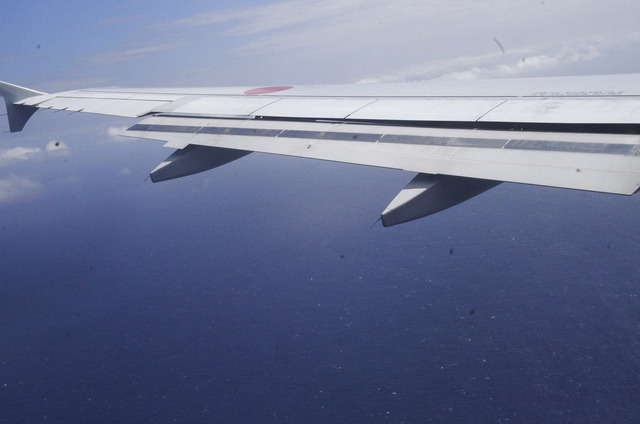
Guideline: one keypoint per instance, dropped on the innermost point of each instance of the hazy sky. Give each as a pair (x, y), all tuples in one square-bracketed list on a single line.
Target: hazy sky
[(265, 42)]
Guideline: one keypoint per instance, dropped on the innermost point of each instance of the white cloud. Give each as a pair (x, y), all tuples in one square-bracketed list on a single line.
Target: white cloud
[(527, 64), (15, 188), (527, 61), (83, 81), (16, 155), (340, 24), (18, 188), (271, 17), (9, 156), (129, 54), (344, 40), (115, 131), (115, 134), (292, 24), (333, 41)]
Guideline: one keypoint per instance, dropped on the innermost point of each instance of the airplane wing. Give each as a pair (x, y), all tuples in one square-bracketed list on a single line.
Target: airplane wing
[(460, 137)]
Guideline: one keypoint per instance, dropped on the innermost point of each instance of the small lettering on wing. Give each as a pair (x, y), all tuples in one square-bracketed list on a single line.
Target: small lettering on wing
[(576, 93)]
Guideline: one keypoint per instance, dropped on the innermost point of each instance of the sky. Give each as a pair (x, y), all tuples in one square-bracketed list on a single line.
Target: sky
[(258, 292)]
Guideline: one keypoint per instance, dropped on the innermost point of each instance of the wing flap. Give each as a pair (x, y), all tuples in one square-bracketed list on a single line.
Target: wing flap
[(465, 153)]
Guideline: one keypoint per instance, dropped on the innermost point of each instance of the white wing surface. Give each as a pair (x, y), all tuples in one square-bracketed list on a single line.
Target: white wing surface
[(461, 138)]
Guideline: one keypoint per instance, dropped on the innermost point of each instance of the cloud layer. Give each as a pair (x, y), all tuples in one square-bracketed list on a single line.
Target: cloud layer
[(22, 154), (14, 188), (529, 61), (18, 154), (334, 41)]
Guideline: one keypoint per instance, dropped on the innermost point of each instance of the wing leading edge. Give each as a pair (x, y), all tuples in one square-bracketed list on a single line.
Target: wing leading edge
[(461, 138)]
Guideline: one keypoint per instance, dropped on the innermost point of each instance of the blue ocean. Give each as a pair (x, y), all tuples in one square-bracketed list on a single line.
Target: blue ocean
[(260, 293)]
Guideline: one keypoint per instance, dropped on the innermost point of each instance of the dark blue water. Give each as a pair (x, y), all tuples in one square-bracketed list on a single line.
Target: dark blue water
[(258, 293)]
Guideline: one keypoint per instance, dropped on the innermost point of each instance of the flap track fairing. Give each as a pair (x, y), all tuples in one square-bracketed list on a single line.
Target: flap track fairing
[(193, 159), (427, 194)]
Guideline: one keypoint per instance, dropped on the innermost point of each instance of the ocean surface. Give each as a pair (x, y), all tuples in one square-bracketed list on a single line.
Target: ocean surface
[(258, 293)]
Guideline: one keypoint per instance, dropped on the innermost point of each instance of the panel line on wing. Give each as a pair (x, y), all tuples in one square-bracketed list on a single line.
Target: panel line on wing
[(492, 109)]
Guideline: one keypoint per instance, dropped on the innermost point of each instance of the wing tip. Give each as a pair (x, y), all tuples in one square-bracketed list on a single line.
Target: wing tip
[(18, 114)]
